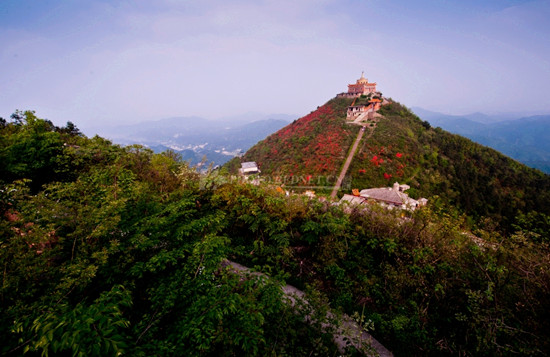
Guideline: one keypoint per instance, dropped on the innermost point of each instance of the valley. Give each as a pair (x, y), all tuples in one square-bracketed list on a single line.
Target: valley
[(197, 139)]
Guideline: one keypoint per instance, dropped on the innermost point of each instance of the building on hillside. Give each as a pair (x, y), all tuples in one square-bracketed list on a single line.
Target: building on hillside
[(358, 200), (356, 110), (367, 100), (364, 111), (249, 168), (391, 197), (361, 87)]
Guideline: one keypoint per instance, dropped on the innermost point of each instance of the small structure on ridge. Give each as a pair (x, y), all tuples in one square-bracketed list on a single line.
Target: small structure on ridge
[(249, 168), (390, 197)]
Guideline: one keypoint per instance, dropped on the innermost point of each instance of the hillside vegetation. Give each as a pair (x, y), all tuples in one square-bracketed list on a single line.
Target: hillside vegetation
[(108, 250), (445, 168), (526, 139), (475, 179), (309, 151)]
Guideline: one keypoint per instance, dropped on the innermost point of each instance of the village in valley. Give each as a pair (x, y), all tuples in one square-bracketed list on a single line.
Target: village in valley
[(363, 111)]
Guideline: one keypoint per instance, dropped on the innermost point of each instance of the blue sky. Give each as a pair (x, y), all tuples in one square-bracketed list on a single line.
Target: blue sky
[(108, 62)]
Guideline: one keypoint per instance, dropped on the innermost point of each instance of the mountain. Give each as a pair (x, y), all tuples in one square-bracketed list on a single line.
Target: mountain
[(313, 145), (526, 139), (477, 117), (195, 137), (438, 165)]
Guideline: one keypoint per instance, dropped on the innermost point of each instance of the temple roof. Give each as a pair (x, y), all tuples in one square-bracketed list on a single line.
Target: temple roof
[(385, 194), (353, 199)]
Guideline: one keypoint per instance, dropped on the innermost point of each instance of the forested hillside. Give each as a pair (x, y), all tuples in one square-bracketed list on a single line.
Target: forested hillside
[(523, 138), (473, 178), (109, 250), (116, 251), (445, 168)]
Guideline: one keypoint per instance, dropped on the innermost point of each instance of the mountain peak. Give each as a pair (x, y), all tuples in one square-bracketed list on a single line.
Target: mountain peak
[(310, 153)]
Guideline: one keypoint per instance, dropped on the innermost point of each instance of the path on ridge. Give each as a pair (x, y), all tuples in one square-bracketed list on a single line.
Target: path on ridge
[(349, 329), (348, 161)]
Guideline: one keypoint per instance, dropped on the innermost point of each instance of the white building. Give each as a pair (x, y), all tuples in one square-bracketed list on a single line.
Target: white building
[(249, 168), (391, 197)]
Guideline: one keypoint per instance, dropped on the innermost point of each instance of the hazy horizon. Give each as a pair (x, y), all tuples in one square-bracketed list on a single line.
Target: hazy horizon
[(104, 62)]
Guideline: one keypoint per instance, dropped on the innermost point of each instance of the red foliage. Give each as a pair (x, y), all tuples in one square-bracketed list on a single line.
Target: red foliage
[(377, 160), (313, 145), (322, 151), (387, 176), (398, 154)]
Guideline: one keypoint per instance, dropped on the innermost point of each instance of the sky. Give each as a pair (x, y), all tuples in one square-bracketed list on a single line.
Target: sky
[(117, 62)]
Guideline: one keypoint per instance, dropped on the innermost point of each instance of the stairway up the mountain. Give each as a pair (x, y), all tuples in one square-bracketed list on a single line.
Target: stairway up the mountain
[(347, 163), (361, 117)]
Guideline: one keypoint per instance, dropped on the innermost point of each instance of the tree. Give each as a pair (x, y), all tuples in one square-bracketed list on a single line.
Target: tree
[(32, 150)]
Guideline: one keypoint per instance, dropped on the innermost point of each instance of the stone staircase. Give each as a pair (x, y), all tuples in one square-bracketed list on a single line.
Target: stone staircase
[(361, 117)]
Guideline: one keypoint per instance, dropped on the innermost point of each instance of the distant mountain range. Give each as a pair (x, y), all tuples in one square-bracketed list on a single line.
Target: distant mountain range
[(526, 139), (195, 137), (523, 138)]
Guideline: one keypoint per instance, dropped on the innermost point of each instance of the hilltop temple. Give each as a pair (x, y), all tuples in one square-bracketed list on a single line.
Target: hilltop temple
[(361, 87), (366, 102)]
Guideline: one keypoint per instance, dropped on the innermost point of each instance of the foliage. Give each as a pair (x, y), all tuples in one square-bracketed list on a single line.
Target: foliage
[(429, 284), (475, 179), (108, 250), (461, 175), (117, 250), (424, 283), (314, 146), (97, 329), (31, 148)]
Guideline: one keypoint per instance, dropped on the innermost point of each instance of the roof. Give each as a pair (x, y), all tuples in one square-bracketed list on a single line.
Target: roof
[(386, 194), (393, 195), (249, 165), (353, 199)]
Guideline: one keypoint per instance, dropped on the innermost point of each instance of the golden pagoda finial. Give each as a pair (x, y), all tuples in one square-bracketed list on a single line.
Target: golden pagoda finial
[(362, 80)]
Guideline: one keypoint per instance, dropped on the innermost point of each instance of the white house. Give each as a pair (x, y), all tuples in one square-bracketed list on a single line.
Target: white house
[(249, 168), (393, 197)]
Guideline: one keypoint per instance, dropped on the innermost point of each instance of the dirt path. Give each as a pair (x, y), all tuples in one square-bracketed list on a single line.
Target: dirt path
[(348, 162), (349, 330)]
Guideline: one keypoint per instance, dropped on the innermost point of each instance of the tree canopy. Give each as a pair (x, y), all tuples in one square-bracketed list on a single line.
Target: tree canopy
[(109, 250)]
